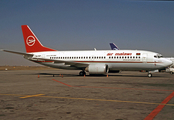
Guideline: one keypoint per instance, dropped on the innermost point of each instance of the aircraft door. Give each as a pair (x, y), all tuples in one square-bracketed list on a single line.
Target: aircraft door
[(150, 57), (144, 57), (43, 55)]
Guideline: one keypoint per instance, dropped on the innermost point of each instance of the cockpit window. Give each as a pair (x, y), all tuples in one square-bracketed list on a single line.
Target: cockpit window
[(158, 56)]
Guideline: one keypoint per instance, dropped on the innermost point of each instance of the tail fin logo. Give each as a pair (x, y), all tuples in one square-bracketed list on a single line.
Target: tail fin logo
[(30, 41)]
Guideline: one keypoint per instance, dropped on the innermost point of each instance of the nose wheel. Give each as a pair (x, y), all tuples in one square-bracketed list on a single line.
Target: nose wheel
[(149, 75), (82, 73)]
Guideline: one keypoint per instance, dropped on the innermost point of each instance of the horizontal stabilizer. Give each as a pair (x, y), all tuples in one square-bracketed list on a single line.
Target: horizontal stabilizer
[(19, 53)]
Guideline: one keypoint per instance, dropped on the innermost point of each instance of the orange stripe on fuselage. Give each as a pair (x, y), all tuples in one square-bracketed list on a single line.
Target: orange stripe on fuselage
[(102, 61), (43, 61)]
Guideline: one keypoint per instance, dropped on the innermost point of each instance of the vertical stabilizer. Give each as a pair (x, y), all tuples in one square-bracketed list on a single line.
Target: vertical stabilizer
[(113, 46), (32, 44)]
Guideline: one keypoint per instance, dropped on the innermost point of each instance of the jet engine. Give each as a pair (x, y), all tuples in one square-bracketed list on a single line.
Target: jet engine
[(97, 69)]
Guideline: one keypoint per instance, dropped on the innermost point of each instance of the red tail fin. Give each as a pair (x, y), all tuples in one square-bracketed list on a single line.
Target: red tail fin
[(32, 44)]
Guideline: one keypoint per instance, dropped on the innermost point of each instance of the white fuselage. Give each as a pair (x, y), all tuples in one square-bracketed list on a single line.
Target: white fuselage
[(131, 60)]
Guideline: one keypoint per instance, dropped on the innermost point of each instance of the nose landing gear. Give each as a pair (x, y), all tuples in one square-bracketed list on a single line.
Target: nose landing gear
[(149, 75)]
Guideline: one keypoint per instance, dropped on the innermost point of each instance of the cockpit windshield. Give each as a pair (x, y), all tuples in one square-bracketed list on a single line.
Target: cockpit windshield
[(158, 56)]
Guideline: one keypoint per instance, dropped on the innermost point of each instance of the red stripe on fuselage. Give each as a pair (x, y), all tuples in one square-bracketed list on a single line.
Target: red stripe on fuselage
[(43, 61), (113, 62), (102, 61)]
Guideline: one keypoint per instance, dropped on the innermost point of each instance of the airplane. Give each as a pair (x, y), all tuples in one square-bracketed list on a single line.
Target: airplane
[(91, 61)]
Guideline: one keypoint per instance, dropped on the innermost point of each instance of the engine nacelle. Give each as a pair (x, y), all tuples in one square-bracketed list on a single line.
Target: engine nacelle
[(97, 69)]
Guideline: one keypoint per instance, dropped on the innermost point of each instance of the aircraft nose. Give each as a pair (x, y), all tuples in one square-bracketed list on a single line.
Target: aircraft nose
[(168, 62)]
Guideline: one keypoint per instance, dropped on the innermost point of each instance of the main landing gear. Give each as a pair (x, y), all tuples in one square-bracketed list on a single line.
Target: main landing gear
[(82, 73)]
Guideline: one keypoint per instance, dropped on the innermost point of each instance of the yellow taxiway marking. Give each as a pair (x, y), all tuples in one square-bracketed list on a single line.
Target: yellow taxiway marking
[(27, 96), (87, 99), (24, 96)]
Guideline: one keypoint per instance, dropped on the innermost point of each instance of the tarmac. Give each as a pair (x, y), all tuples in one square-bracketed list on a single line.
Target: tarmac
[(51, 94)]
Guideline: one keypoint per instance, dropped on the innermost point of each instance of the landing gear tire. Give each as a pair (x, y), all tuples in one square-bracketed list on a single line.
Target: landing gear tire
[(82, 73), (171, 73), (149, 75)]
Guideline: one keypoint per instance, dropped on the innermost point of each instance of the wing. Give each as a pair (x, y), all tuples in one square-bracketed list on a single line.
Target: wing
[(71, 63)]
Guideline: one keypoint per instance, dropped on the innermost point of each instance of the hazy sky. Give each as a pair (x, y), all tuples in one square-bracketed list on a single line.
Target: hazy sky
[(87, 24)]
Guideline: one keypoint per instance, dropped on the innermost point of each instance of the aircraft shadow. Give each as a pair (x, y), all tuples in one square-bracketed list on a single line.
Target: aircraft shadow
[(76, 75)]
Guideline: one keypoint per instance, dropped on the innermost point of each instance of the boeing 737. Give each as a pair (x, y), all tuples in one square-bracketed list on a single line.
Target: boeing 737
[(91, 61)]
